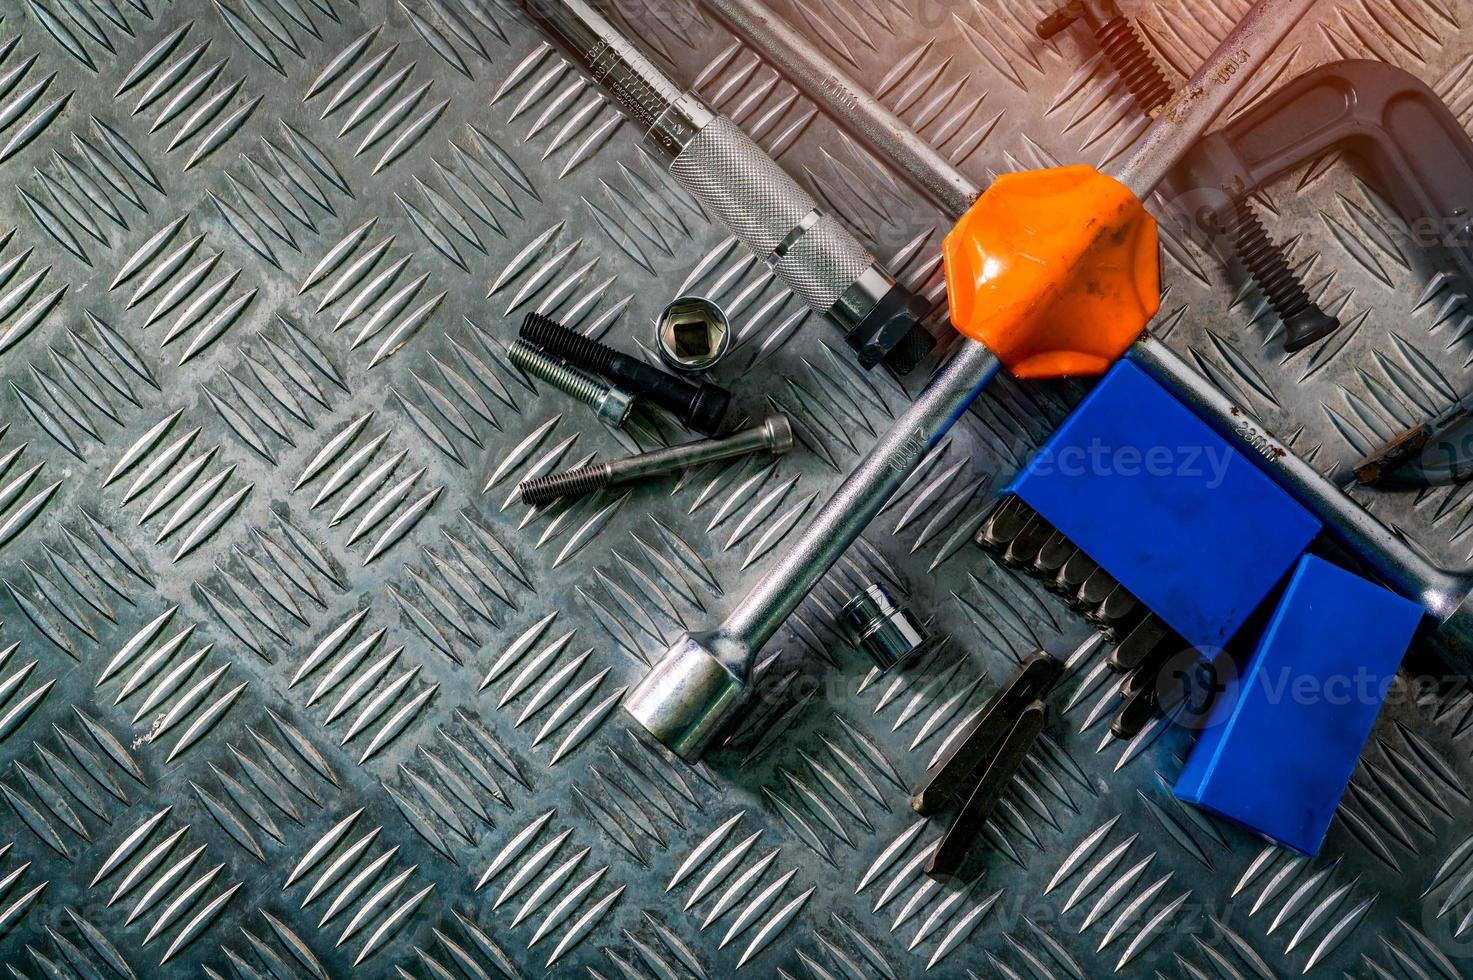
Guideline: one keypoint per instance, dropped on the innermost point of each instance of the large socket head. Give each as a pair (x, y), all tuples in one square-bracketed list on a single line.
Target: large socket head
[(689, 696), (692, 334)]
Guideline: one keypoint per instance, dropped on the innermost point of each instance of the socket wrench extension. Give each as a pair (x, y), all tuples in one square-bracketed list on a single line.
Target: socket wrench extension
[(1384, 554), (698, 686), (735, 180)]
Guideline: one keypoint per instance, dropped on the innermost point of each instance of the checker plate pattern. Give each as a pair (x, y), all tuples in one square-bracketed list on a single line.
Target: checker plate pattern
[(291, 685)]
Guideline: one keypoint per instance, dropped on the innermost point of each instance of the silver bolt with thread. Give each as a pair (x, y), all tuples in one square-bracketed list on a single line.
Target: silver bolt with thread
[(773, 435), (611, 404)]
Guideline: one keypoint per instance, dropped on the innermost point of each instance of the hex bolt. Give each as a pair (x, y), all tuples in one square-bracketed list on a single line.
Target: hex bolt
[(612, 404), (775, 435), (699, 405)]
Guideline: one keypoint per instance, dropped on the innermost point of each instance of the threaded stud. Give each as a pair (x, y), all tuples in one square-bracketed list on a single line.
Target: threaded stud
[(564, 377), (1266, 262), (573, 483), (612, 404), (1123, 45), (547, 333), (1304, 322)]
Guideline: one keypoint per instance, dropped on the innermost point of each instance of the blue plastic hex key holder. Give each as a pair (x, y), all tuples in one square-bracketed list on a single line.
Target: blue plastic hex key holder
[(1193, 529), (1281, 744)]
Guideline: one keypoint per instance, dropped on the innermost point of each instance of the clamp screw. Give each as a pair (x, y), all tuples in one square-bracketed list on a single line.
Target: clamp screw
[(1121, 40), (1304, 322), (1123, 44), (612, 404)]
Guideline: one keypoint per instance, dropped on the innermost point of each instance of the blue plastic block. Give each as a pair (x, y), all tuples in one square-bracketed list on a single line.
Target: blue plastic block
[(1280, 745), (1148, 491)]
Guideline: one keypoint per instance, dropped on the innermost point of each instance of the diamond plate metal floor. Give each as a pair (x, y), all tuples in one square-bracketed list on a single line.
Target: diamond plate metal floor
[(291, 685)]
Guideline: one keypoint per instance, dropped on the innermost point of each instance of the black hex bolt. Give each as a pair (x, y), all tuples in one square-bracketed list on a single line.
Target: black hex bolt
[(701, 406)]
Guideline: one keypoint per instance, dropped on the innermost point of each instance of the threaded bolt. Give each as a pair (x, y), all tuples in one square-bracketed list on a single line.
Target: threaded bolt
[(612, 404), (552, 336), (699, 405), (572, 483), (774, 435), (1304, 321), (1123, 45)]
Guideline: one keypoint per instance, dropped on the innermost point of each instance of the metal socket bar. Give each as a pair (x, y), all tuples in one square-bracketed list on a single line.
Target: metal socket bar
[(848, 102), (671, 118), (859, 498), (694, 690), (1387, 556)]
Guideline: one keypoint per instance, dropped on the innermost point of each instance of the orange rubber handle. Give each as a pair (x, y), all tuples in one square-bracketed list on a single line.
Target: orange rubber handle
[(1056, 271)]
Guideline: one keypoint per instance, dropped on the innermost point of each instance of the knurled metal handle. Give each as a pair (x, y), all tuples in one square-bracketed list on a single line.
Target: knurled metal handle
[(758, 202)]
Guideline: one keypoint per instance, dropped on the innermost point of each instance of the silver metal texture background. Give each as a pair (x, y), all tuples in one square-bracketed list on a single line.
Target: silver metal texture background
[(290, 685)]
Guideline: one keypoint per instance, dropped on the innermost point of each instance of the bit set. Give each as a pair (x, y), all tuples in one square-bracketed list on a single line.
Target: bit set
[(1140, 515), (1020, 538), (1117, 514)]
